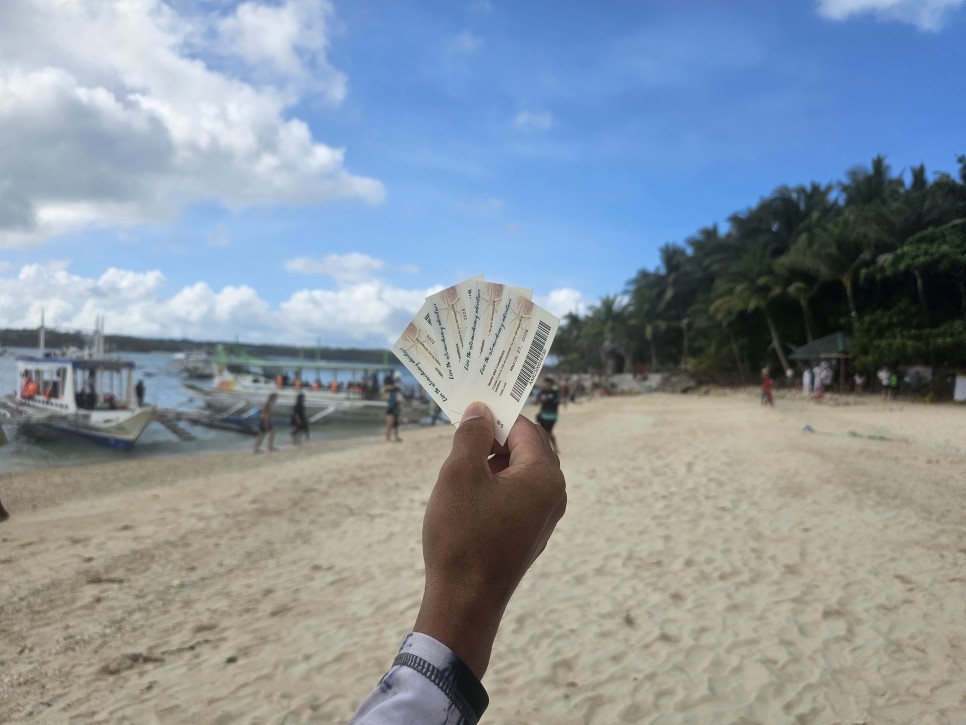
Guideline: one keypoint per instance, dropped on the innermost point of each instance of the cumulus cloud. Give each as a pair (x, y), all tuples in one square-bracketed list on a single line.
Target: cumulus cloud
[(563, 300), (287, 41), (115, 113), (351, 267), (363, 312), (924, 14), (534, 120)]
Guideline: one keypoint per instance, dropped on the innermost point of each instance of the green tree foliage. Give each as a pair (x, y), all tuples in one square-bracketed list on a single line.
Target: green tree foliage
[(878, 254)]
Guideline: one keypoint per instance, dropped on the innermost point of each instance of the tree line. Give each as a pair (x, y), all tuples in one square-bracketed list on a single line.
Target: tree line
[(57, 339), (880, 256)]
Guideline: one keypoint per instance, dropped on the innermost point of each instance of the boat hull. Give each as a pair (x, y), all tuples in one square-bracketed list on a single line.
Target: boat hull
[(113, 429), (318, 404)]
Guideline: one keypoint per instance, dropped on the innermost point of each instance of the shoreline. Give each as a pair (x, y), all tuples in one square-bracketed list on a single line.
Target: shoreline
[(716, 563)]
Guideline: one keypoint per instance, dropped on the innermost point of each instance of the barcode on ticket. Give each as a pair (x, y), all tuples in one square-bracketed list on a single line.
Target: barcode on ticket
[(534, 357)]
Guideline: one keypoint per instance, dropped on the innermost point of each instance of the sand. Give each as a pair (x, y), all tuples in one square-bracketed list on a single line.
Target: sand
[(716, 564)]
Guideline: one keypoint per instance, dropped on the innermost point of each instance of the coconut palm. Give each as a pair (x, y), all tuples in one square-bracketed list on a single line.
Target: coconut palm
[(751, 285)]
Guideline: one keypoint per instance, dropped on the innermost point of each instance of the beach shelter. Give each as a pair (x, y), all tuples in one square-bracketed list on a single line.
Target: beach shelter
[(831, 347)]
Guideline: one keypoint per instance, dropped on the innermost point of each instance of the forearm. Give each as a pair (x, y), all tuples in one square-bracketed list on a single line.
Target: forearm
[(467, 625)]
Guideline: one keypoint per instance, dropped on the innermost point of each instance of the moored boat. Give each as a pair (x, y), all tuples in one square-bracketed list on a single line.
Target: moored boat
[(92, 397), (236, 389)]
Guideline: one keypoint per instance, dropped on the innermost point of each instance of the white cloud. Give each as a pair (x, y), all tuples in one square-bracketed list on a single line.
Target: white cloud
[(563, 300), (112, 113), (351, 267), (366, 312), (288, 40), (924, 14), (466, 43), (534, 120), (483, 206)]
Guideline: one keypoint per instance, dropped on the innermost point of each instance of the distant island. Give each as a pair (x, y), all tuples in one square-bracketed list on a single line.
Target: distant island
[(60, 339)]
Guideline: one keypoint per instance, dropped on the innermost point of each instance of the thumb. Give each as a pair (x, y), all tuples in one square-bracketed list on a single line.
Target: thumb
[(473, 440)]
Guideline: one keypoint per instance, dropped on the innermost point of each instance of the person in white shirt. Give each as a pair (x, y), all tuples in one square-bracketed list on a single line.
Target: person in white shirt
[(489, 517)]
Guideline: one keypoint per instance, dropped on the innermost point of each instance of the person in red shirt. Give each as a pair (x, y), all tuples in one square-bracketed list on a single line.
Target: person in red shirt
[(766, 397)]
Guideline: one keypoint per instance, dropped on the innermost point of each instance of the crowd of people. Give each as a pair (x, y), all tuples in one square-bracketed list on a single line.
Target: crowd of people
[(821, 378)]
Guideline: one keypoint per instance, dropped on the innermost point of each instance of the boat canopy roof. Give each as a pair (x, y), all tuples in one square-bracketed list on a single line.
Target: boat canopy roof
[(77, 363), (290, 364)]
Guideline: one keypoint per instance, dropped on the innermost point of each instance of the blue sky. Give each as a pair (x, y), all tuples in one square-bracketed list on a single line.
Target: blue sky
[(303, 169)]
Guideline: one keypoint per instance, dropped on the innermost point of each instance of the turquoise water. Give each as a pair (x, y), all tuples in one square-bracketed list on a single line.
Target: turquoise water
[(32, 447)]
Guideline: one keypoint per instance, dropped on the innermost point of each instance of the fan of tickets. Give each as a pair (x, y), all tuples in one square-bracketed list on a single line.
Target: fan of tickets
[(478, 340)]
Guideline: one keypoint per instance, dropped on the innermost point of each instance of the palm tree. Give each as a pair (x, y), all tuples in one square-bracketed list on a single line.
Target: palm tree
[(645, 292), (682, 284), (836, 252), (751, 285), (608, 320)]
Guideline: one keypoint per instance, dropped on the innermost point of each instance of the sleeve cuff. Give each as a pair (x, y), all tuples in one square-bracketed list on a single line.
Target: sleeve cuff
[(440, 665)]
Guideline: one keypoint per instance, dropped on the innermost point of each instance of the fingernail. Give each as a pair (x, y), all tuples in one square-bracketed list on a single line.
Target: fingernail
[(473, 410)]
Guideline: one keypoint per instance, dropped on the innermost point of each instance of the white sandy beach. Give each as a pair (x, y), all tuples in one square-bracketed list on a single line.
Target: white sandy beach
[(716, 565)]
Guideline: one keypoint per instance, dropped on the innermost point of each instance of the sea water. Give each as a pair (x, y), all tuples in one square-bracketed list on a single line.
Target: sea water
[(32, 446)]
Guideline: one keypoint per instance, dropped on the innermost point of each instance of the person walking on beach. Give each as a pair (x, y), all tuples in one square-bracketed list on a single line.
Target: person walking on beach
[(265, 424), (393, 409), (300, 424), (549, 400), (766, 397)]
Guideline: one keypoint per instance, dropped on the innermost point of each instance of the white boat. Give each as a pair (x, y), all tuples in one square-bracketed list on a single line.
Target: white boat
[(194, 364), (88, 397), (243, 393)]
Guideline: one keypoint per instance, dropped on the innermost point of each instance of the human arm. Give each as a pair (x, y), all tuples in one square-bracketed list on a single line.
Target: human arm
[(487, 521)]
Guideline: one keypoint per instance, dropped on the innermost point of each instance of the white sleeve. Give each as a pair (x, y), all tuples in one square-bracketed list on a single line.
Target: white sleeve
[(426, 685)]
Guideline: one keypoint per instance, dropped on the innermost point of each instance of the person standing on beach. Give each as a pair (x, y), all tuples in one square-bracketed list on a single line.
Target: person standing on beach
[(766, 397), (3, 513), (490, 515), (300, 424), (265, 424), (393, 409), (894, 384), (807, 381), (883, 376), (549, 400)]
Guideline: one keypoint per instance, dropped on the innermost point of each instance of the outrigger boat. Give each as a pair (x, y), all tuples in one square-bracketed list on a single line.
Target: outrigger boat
[(239, 391), (89, 396), (194, 364)]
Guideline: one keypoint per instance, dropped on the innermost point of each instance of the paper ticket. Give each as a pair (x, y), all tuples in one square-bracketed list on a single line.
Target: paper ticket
[(449, 310), (417, 348), (511, 356), (478, 340), (485, 300)]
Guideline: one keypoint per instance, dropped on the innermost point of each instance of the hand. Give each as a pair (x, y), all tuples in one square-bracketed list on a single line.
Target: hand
[(487, 521)]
